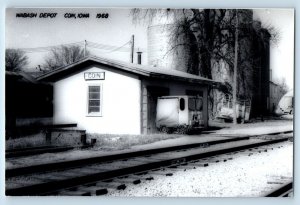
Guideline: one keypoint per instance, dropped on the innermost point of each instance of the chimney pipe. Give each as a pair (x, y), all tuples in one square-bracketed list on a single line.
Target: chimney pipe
[(139, 56)]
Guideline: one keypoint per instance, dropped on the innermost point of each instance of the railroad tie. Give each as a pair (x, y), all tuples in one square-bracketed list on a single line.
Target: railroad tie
[(113, 165), (189, 166), (161, 157), (43, 179), (74, 193), (15, 184), (248, 153), (51, 177), (129, 180), (178, 167), (112, 185), (201, 164), (269, 182), (90, 189), (100, 168), (225, 158), (134, 162), (213, 160), (71, 173), (162, 173), (146, 177), (145, 160), (96, 190), (88, 170)]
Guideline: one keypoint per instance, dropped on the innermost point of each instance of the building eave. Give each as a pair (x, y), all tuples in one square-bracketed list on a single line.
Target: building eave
[(140, 70)]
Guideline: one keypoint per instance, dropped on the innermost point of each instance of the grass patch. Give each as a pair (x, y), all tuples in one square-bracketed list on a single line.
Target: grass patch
[(106, 142), (39, 139), (34, 140), (120, 142)]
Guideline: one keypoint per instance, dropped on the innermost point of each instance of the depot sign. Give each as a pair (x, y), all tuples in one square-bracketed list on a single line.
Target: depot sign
[(94, 75)]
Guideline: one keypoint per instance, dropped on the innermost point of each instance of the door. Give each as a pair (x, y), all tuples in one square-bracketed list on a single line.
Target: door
[(153, 93)]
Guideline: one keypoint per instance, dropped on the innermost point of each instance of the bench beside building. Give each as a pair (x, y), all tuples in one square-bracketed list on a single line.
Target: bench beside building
[(112, 97)]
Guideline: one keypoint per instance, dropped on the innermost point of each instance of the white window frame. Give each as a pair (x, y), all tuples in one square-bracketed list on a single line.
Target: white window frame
[(94, 114)]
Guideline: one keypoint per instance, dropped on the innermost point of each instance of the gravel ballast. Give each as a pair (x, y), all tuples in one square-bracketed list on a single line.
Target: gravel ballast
[(244, 176)]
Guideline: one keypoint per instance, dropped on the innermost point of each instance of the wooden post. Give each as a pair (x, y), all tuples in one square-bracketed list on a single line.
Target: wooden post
[(85, 48), (48, 137), (93, 141), (243, 112), (235, 69), (205, 107), (132, 48), (83, 139)]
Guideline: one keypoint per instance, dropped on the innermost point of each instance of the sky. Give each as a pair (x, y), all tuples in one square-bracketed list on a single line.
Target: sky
[(282, 53), (117, 30)]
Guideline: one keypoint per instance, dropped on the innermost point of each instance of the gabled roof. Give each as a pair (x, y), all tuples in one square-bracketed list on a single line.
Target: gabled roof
[(21, 76), (141, 70)]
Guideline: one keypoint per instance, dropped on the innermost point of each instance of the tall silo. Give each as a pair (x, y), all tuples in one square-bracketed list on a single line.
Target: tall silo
[(163, 48)]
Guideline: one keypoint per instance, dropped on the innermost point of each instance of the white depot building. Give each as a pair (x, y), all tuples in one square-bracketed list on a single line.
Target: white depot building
[(113, 97)]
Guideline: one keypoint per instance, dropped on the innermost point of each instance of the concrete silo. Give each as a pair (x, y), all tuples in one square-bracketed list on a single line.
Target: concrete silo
[(163, 49)]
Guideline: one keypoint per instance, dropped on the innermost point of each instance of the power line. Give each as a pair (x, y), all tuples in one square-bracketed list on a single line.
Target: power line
[(114, 48), (110, 48), (101, 46), (47, 48), (93, 45)]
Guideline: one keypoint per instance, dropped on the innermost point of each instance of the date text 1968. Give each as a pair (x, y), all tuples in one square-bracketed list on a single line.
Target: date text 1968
[(102, 15)]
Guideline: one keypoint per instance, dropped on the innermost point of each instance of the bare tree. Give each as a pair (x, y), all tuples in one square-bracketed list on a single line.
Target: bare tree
[(15, 59), (64, 55), (208, 36)]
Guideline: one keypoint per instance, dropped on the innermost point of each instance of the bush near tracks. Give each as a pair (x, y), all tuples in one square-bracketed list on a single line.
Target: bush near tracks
[(35, 140), (119, 142)]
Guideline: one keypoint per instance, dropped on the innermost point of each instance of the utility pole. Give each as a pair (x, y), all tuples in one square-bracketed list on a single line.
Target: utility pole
[(236, 47), (132, 48), (84, 48)]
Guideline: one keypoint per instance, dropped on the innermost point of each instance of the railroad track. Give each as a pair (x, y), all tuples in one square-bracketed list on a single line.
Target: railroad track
[(282, 191), (96, 176), (95, 160)]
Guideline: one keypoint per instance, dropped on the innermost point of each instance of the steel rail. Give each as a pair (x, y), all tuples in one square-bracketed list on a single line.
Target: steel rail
[(94, 160), (282, 191), (52, 186)]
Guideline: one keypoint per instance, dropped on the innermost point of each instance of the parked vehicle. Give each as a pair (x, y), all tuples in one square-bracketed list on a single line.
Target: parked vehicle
[(225, 110), (286, 104), (179, 113)]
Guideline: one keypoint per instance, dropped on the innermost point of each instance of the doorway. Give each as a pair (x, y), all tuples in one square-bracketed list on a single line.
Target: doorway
[(153, 93)]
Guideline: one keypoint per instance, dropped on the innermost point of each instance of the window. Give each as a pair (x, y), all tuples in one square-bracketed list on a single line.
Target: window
[(199, 104), (94, 100), (181, 104), (192, 104), (195, 104)]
